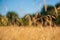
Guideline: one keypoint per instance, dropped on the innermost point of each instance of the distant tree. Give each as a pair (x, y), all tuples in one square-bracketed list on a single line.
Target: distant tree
[(4, 21), (49, 9), (58, 18), (12, 17), (43, 12), (0, 19), (19, 21), (57, 5), (25, 19), (0, 15)]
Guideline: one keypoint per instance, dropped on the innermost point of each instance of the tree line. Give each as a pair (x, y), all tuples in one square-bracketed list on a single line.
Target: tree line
[(12, 18)]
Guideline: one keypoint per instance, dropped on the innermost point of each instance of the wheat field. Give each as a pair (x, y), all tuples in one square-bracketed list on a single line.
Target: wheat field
[(29, 33)]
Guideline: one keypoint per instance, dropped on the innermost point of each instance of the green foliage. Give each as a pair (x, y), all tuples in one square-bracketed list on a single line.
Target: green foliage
[(58, 19), (0, 19), (0, 15), (19, 22), (57, 5), (12, 17), (49, 9), (25, 21), (4, 21)]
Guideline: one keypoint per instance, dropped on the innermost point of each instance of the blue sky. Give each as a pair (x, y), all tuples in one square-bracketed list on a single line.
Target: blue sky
[(23, 7)]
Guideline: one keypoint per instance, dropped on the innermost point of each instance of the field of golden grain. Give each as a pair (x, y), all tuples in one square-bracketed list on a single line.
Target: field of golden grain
[(29, 33)]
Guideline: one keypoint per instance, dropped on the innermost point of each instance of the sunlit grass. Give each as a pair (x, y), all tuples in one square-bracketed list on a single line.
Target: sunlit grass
[(29, 33)]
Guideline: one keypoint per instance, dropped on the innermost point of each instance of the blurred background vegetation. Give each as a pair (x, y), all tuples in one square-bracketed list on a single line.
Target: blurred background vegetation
[(12, 18)]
